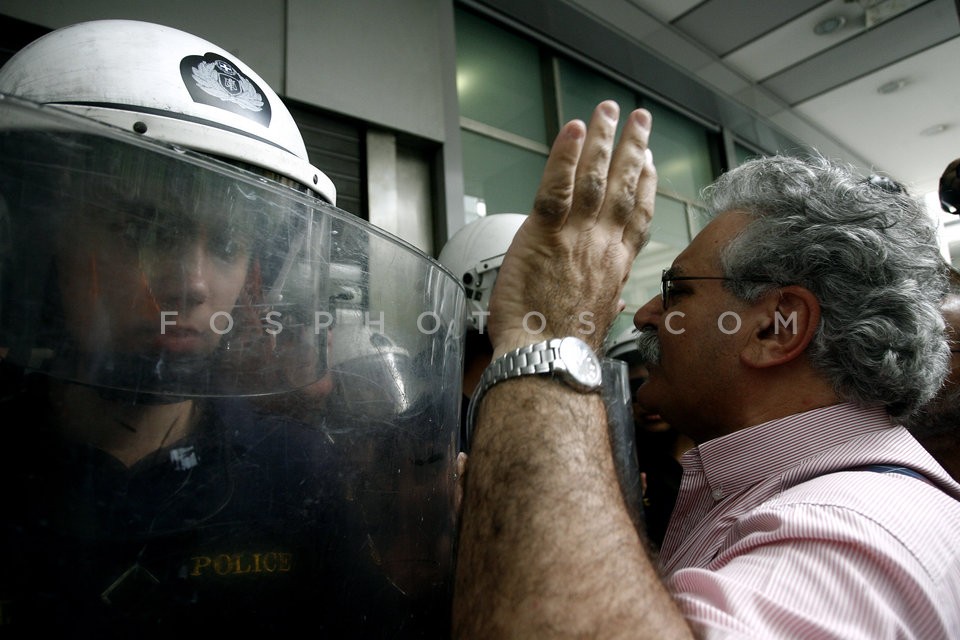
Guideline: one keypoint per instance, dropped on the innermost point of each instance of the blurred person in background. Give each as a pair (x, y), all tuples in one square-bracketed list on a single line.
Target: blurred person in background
[(937, 424), (949, 188)]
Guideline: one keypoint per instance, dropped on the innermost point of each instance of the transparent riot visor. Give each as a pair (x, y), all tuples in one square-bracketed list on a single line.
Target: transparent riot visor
[(141, 269), (318, 360)]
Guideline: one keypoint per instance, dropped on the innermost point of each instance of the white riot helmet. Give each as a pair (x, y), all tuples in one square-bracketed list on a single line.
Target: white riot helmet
[(474, 254), (168, 85), (623, 345)]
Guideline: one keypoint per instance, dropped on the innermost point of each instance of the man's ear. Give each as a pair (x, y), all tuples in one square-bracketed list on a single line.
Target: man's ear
[(785, 321)]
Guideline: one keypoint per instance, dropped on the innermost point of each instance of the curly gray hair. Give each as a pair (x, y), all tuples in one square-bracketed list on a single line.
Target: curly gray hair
[(867, 250)]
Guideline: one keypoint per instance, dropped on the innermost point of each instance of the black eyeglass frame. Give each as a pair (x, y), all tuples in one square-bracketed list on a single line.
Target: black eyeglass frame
[(666, 280)]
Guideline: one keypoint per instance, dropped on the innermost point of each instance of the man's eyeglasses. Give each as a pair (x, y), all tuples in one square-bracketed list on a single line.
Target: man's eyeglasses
[(666, 283)]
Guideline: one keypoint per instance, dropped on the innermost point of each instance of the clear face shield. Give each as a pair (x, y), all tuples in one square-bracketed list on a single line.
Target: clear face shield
[(318, 360), (154, 274)]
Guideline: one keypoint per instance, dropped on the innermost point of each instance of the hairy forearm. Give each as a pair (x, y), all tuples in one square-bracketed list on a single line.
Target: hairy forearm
[(548, 548)]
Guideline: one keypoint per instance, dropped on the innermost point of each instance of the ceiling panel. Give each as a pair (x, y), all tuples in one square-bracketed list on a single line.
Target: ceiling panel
[(796, 40), (666, 10), (822, 90), (916, 30), (888, 129), (726, 25)]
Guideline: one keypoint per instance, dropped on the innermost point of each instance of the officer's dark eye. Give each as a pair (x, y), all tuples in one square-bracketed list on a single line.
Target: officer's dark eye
[(228, 247)]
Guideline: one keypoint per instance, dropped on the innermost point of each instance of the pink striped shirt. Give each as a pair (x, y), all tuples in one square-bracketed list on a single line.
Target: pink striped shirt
[(774, 536)]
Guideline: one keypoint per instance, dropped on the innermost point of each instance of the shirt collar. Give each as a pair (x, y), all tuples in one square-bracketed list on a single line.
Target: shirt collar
[(746, 456)]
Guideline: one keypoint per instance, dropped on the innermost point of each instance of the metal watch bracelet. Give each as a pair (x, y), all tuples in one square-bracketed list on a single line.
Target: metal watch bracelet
[(544, 357)]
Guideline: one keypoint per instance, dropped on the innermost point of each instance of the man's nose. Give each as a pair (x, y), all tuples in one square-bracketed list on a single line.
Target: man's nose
[(649, 314)]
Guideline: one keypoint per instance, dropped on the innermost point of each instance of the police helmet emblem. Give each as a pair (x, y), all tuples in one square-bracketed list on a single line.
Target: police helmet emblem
[(221, 80), (215, 81)]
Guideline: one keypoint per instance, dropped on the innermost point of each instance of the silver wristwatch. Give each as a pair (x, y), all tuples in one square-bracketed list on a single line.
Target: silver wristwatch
[(570, 360)]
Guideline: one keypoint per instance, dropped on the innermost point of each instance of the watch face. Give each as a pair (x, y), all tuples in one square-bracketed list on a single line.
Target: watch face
[(581, 362)]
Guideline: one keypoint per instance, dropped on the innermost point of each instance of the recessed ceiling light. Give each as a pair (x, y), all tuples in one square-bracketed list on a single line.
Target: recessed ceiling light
[(935, 129), (893, 86), (829, 25)]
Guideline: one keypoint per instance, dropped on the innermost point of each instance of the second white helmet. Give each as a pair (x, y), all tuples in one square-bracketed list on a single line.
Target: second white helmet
[(623, 345), (474, 255)]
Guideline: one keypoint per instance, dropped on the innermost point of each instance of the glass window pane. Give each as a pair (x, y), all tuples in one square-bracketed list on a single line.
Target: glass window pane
[(743, 154), (682, 153), (499, 79), (582, 89), (669, 235), (698, 219), (501, 176)]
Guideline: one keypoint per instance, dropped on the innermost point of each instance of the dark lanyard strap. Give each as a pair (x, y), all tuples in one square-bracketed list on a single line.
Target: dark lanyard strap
[(904, 471), (892, 468)]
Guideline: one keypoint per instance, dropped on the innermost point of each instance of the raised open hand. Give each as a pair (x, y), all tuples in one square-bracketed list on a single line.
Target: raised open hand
[(566, 268)]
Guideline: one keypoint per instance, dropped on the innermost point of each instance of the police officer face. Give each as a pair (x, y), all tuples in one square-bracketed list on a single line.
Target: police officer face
[(136, 279)]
